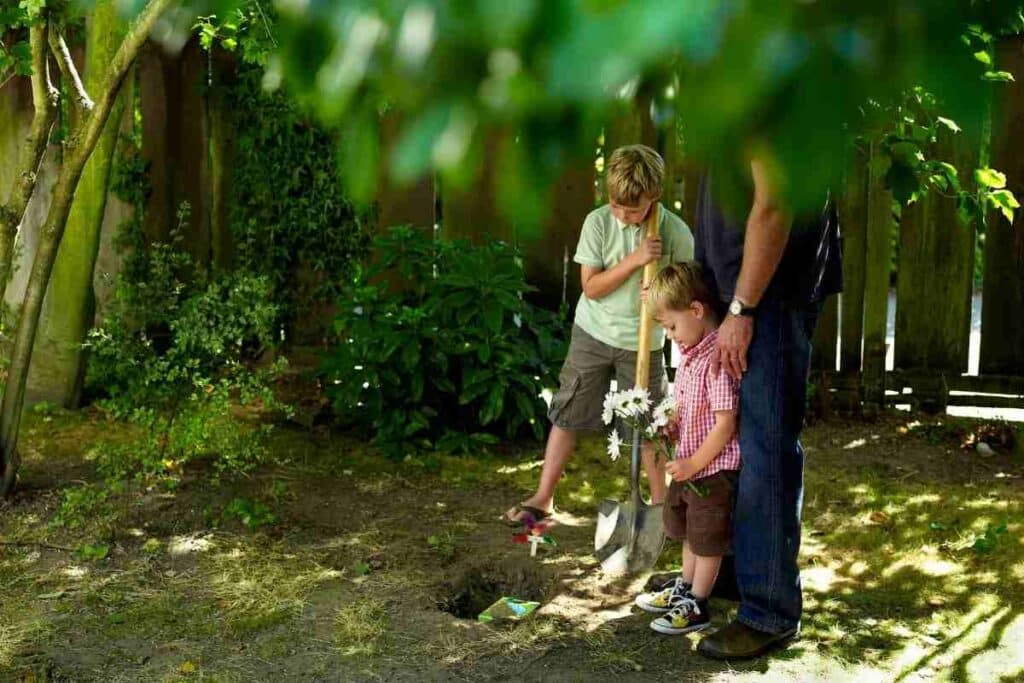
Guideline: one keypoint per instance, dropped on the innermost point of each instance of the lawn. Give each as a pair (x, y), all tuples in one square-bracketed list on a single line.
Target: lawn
[(333, 563)]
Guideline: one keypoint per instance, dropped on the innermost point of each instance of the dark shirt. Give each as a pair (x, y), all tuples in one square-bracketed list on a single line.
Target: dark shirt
[(811, 266)]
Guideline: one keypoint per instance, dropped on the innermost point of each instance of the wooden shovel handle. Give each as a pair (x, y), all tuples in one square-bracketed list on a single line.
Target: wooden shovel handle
[(643, 353)]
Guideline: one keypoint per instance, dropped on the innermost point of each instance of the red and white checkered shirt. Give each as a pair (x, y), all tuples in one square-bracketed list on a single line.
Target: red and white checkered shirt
[(699, 394)]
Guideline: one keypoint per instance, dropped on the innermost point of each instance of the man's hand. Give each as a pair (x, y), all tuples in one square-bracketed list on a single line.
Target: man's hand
[(734, 337), (649, 250), (681, 469)]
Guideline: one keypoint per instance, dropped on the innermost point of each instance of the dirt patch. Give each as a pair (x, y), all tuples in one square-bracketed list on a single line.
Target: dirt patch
[(478, 586)]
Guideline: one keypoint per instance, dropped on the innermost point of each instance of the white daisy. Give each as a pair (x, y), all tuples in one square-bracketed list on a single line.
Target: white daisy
[(637, 403), (608, 413), (664, 412), (614, 445), (623, 403)]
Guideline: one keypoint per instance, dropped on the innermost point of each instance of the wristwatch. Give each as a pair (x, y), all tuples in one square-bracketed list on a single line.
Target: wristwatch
[(738, 308)]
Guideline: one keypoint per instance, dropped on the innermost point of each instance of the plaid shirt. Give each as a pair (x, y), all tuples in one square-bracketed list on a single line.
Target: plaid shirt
[(699, 394)]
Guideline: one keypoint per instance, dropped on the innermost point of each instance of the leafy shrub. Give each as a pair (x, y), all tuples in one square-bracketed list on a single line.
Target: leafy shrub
[(438, 349), (175, 355)]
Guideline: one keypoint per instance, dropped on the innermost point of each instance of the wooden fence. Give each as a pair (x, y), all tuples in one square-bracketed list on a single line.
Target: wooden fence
[(934, 287)]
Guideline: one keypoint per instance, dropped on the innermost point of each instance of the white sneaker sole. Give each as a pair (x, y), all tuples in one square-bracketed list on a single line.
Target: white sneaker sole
[(672, 631), (650, 609)]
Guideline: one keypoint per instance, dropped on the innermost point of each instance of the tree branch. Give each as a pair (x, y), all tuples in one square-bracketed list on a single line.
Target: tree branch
[(44, 114), (70, 71)]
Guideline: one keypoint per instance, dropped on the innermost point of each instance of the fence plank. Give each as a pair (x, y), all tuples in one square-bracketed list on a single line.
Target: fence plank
[(548, 253), (876, 283), (401, 204), (936, 268), (853, 217), (682, 178), (1002, 338), (472, 212)]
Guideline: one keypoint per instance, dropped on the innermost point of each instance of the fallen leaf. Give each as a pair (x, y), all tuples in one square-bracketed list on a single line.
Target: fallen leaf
[(878, 517), (187, 668)]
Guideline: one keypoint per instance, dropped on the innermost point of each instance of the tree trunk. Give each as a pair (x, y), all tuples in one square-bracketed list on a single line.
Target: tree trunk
[(79, 148), (45, 112), (69, 305)]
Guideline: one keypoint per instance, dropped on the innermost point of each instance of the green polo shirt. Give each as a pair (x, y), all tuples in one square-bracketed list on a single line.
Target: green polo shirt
[(604, 241)]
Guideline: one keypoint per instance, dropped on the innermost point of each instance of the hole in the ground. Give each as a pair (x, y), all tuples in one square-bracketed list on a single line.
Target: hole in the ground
[(478, 586)]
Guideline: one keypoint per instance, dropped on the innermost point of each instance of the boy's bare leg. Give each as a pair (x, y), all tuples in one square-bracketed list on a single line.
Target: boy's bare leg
[(689, 563), (655, 473), (705, 571), (560, 445)]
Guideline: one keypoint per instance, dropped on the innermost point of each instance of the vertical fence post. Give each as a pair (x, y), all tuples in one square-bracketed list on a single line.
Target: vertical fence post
[(876, 283), (853, 219), (933, 296), (1002, 321)]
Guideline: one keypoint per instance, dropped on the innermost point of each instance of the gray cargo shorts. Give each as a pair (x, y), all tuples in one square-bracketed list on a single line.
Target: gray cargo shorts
[(586, 377)]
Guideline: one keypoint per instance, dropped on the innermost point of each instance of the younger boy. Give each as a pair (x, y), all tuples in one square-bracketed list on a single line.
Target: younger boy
[(708, 452), (612, 253)]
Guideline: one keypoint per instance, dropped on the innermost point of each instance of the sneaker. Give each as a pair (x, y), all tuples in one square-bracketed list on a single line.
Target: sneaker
[(660, 601), (687, 615)]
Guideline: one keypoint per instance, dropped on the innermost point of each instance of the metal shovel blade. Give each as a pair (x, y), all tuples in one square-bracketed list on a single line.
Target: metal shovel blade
[(629, 536)]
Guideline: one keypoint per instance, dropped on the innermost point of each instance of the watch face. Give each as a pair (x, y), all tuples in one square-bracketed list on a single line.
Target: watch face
[(736, 308)]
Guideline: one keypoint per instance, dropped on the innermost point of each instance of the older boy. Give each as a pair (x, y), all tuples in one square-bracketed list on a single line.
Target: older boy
[(612, 252)]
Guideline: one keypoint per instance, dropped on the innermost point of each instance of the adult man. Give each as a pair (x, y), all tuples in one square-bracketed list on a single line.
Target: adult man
[(772, 274)]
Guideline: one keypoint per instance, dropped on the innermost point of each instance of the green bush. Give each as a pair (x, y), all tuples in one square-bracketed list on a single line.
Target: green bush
[(438, 349), (175, 354)]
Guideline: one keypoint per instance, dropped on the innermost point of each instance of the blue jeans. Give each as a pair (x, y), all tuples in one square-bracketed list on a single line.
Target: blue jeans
[(769, 494)]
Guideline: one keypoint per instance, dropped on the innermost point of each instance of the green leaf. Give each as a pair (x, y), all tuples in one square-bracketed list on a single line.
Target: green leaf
[(902, 181), (998, 76), (949, 123), (1005, 201), (989, 177), (93, 553), (984, 57), (952, 175)]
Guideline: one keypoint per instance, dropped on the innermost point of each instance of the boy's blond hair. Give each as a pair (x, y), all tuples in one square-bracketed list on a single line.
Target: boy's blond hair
[(678, 285), (634, 172)]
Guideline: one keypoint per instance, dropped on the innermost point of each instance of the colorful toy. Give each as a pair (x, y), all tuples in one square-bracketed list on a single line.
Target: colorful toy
[(534, 533)]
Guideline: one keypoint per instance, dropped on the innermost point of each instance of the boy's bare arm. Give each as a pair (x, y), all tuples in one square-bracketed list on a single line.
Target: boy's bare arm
[(599, 283), (717, 439)]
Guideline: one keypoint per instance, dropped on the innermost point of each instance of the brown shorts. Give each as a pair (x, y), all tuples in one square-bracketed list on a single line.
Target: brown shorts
[(586, 377), (704, 521)]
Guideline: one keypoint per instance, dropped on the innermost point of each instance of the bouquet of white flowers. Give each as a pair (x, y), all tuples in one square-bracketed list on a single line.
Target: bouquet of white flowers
[(634, 408)]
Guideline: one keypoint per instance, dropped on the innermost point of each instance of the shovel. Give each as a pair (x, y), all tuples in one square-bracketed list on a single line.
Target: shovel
[(629, 536)]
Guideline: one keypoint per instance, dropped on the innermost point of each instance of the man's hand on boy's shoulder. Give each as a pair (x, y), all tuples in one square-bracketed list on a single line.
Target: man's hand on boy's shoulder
[(731, 347)]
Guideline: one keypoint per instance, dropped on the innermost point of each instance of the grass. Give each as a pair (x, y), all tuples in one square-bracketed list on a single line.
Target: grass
[(360, 627), (912, 557)]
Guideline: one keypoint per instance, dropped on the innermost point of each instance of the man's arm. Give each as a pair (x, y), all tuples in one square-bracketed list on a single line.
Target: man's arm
[(599, 283), (763, 246), (767, 234)]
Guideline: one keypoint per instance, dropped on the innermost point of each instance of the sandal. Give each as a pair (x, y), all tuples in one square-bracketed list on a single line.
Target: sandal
[(537, 514)]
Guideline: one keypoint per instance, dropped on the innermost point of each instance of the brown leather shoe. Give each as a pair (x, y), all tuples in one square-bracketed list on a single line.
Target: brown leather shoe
[(739, 641)]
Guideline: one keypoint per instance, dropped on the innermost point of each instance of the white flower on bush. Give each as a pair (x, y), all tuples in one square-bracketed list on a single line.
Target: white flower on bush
[(614, 445)]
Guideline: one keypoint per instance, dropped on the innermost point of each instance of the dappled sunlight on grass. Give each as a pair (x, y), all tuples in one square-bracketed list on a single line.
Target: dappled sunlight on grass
[(192, 543), (912, 562), (521, 467), (266, 588)]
